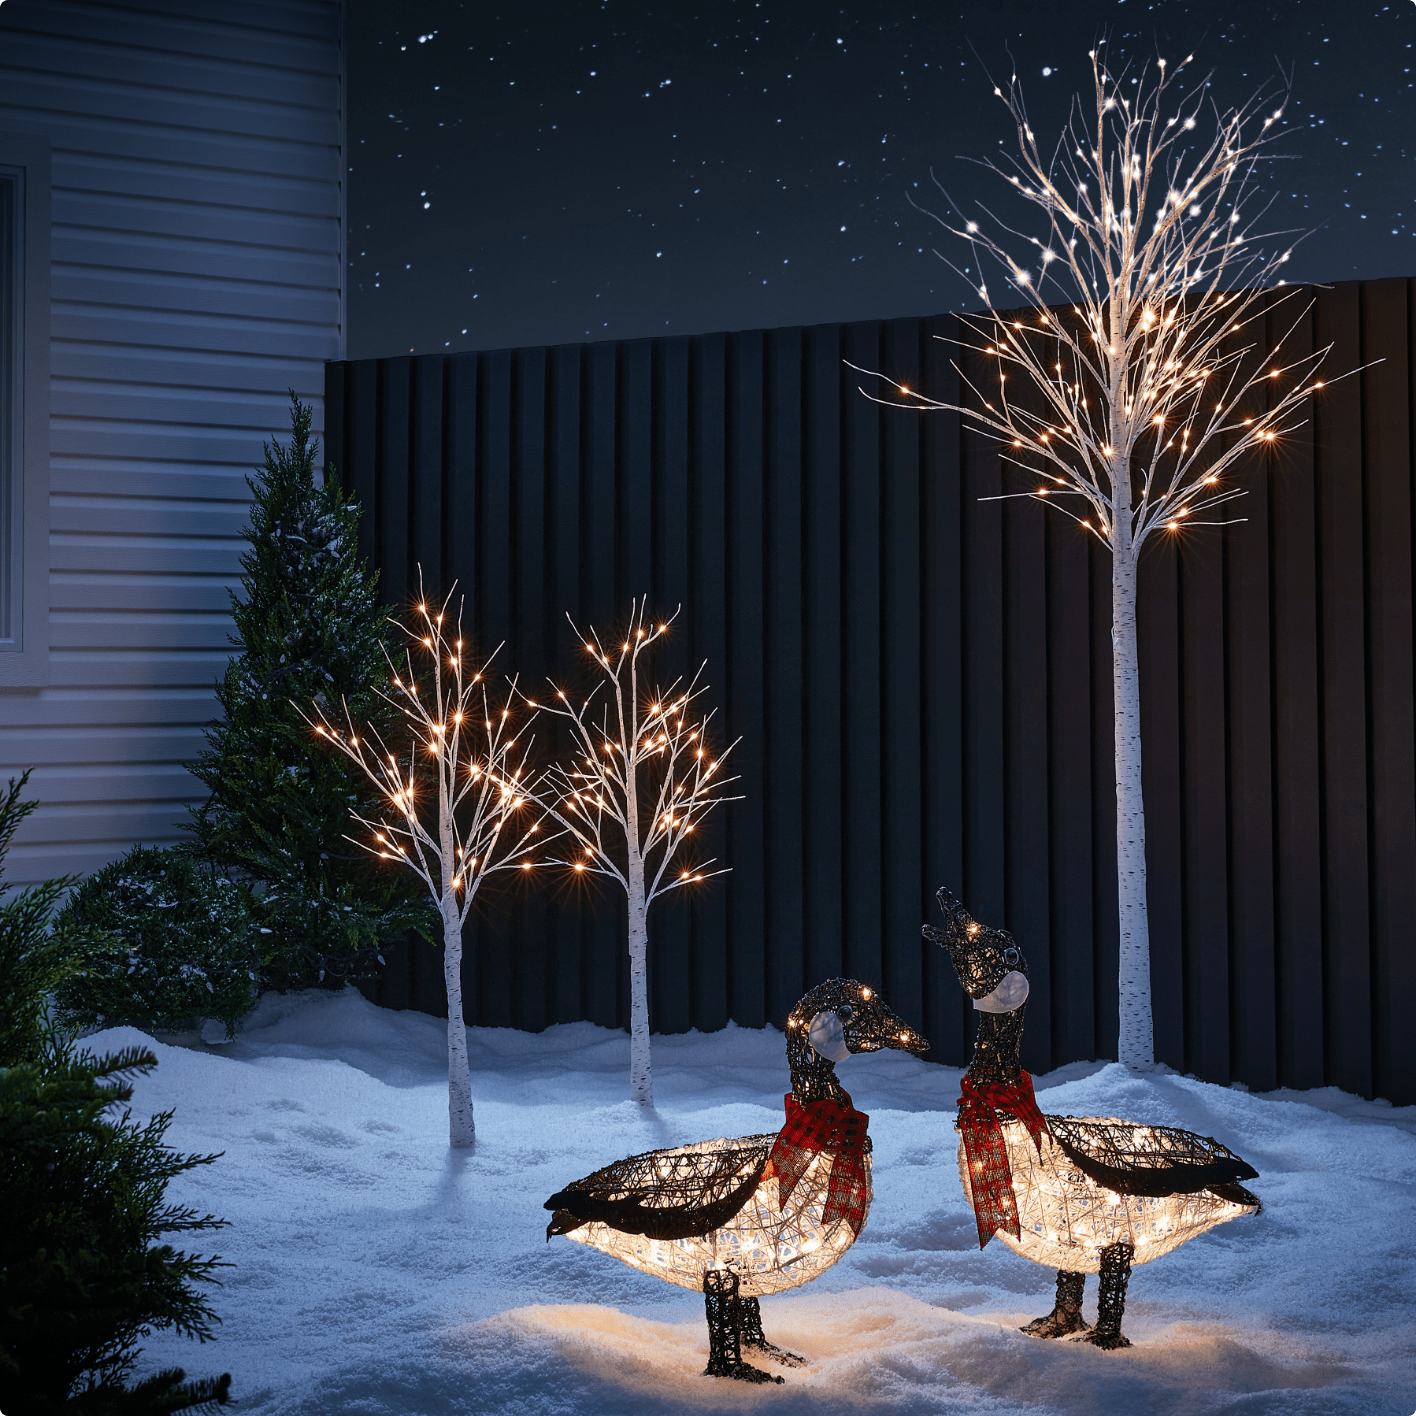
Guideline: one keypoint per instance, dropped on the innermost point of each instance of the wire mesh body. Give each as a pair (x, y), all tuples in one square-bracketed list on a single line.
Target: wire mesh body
[(769, 1249), (1067, 1218)]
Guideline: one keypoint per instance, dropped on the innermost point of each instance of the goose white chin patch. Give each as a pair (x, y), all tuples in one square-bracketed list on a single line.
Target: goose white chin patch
[(1012, 992), (828, 1036)]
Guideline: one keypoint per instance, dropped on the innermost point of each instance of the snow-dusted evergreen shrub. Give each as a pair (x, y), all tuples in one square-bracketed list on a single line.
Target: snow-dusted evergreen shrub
[(166, 941), (84, 1274), (309, 626)]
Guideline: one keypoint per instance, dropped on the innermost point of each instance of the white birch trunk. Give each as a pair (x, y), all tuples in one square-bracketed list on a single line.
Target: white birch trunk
[(641, 1070), (641, 1067), (1136, 1042), (461, 1127)]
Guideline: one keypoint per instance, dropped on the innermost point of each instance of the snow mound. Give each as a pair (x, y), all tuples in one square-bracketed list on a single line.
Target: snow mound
[(378, 1272)]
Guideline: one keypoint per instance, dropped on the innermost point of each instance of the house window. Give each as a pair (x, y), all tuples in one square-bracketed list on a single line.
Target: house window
[(24, 412)]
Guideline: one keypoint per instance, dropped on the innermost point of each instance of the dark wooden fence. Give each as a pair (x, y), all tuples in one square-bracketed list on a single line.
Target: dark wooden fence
[(922, 683)]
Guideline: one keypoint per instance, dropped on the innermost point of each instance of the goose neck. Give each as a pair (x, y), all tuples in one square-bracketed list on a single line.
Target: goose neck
[(813, 1076), (997, 1055)]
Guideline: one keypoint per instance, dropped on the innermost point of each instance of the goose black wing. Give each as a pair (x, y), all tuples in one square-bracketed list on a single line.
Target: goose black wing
[(1152, 1160), (680, 1193)]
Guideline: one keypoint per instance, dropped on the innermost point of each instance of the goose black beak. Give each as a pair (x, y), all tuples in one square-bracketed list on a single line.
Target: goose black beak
[(908, 1040), (887, 1029)]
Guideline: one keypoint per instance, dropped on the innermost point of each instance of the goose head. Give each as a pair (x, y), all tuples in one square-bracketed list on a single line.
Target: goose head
[(994, 973), (838, 1018)]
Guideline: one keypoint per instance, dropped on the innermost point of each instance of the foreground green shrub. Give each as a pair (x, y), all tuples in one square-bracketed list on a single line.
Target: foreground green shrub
[(34, 958), (82, 1276), (165, 941)]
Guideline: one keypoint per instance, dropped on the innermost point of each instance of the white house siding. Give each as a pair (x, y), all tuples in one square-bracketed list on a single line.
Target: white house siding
[(197, 276)]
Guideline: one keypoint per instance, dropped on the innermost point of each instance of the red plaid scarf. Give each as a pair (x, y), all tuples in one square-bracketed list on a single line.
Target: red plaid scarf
[(990, 1175), (838, 1129)]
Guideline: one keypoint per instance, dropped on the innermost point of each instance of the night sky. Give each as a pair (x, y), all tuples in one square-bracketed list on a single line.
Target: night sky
[(542, 173)]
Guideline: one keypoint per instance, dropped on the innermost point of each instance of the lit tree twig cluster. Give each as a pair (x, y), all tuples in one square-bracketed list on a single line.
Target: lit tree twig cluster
[(466, 755), (1132, 378), (1146, 383), (640, 781)]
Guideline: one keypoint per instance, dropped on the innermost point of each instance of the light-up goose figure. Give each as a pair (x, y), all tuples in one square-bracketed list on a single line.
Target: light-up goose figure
[(1079, 1194), (754, 1215)]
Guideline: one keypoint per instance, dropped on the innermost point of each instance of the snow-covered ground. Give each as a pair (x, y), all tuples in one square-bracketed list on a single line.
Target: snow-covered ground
[(378, 1272)]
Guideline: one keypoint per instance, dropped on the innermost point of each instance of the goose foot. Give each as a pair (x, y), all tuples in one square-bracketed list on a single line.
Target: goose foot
[(776, 1354), (725, 1315), (1066, 1315), (1111, 1301), (751, 1335), (1107, 1341)]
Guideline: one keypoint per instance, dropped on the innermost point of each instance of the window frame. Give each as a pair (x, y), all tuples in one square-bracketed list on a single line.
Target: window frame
[(24, 640)]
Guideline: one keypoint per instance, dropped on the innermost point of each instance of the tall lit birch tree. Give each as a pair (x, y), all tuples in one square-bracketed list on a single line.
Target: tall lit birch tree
[(638, 784), (455, 799), (1133, 385)]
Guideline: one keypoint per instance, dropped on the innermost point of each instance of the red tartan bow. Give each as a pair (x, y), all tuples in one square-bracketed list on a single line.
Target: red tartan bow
[(831, 1126), (990, 1175)]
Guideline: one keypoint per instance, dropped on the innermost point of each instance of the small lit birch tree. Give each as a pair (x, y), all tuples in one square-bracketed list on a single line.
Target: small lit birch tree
[(1144, 388), (638, 784), (455, 801)]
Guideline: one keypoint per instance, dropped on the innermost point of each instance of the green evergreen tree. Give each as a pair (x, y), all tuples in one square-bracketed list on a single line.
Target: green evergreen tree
[(82, 1274), (310, 630), (34, 958)]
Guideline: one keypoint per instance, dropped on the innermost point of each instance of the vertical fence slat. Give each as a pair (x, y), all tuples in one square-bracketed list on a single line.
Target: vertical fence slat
[(823, 828), (425, 447), (390, 502), (1250, 927), (358, 461), (494, 915), (901, 706), (712, 963), (525, 655), (569, 951), (1206, 751), (746, 820), (1387, 442), (1298, 887), (1158, 624), (861, 863), (984, 891), (675, 927), (606, 970), (1347, 958), (782, 783), (941, 784)]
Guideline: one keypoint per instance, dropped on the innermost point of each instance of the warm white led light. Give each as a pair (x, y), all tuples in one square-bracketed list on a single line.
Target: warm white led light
[(1067, 1219), (768, 1249)]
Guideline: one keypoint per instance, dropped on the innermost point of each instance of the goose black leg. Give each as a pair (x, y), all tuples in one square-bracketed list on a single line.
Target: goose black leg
[(724, 1308), (1111, 1301), (1066, 1315), (751, 1334)]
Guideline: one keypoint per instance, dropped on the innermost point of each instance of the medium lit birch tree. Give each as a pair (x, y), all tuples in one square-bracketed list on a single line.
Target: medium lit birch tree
[(638, 784), (455, 800), (1134, 385)]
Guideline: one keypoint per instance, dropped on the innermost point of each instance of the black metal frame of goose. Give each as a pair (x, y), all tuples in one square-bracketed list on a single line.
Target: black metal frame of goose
[(686, 1198), (1099, 1157)]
